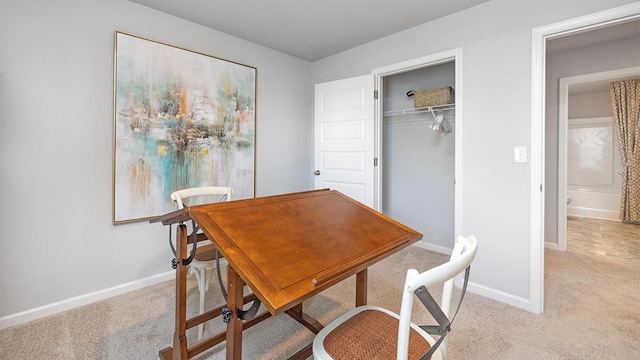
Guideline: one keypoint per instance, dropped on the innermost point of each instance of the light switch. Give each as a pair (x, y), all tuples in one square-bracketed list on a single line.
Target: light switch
[(520, 154)]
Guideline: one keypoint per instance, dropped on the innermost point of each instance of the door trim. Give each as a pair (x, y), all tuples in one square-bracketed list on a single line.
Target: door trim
[(539, 37), (415, 64)]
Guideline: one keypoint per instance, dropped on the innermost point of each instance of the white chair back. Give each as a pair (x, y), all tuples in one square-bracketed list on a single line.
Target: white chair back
[(464, 251), (180, 195)]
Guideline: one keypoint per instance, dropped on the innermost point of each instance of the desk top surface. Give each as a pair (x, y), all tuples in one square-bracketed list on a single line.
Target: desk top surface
[(290, 247)]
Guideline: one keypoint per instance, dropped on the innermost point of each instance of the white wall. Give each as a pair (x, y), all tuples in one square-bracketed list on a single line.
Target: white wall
[(56, 112), (621, 54), (496, 65)]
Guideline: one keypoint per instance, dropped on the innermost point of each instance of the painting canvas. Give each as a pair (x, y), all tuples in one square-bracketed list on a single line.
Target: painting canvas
[(181, 119)]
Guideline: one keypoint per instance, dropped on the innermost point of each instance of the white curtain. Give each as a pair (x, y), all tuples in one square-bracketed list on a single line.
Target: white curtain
[(625, 99)]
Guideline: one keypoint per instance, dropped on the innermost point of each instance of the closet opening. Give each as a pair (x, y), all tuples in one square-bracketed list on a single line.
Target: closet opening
[(418, 147)]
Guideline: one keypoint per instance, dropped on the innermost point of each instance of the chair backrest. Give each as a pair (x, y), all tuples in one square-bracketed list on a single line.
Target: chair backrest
[(464, 251), (180, 195)]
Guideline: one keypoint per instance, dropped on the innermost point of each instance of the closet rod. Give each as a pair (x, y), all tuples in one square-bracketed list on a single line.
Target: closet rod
[(430, 109)]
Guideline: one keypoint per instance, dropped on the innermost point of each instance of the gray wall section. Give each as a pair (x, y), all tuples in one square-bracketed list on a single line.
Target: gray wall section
[(495, 38), (56, 143), (592, 104)]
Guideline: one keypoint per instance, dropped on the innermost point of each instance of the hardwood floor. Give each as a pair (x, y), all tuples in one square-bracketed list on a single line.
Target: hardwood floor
[(602, 237)]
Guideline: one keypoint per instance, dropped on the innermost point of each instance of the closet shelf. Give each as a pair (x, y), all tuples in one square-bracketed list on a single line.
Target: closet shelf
[(439, 123), (430, 109)]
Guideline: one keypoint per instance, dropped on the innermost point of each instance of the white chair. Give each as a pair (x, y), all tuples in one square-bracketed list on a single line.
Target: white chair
[(205, 254), (371, 332)]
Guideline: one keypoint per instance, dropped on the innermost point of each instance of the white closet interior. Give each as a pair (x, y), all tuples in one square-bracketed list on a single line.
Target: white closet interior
[(418, 156)]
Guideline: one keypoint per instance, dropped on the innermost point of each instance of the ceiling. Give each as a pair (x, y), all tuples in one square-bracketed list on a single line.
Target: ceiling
[(312, 30), (306, 29)]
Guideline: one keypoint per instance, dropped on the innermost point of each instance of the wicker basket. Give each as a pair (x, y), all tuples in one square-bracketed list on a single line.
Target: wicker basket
[(433, 97)]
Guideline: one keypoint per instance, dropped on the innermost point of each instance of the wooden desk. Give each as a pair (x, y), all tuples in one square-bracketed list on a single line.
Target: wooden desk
[(286, 248)]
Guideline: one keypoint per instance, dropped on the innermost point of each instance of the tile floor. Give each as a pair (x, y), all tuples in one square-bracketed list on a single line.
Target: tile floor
[(603, 237)]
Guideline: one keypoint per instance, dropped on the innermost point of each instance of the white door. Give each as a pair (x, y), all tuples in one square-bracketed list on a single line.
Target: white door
[(344, 137)]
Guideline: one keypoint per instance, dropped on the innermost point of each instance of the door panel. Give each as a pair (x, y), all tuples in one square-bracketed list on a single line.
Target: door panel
[(344, 137)]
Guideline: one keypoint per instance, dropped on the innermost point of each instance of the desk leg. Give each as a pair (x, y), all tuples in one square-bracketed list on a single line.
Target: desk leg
[(361, 288), (179, 336), (299, 315), (234, 327)]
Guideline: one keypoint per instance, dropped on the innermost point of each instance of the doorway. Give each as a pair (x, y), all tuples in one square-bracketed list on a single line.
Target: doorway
[(595, 190), (539, 39)]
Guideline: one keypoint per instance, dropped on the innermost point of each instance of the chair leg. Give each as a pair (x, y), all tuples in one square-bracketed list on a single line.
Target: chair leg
[(208, 280), (443, 348), (214, 275), (201, 277)]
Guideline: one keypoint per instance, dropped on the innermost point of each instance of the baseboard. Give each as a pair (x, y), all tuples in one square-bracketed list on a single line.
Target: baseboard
[(78, 301), (435, 248), (593, 213), (498, 295), (481, 290), (552, 246)]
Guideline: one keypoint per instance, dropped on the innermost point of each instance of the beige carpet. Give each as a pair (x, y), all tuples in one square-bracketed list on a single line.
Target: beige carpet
[(592, 312)]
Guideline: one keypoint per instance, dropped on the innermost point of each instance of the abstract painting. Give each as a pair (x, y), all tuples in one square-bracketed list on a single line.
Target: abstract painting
[(181, 119)]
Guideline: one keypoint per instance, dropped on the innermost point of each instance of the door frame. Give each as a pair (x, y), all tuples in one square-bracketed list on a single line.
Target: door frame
[(538, 55), (563, 126), (379, 74)]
